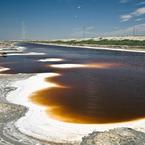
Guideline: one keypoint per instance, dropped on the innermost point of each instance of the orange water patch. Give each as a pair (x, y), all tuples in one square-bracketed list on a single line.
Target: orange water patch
[(93, 96)]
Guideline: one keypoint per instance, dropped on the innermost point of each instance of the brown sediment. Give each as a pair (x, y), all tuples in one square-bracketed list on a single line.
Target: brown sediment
[(94, 96)]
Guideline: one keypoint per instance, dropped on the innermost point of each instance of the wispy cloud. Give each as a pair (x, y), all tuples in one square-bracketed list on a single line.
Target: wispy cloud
[(125, 18), (139, 19), (139, 11), (136, 13), (78, 7)]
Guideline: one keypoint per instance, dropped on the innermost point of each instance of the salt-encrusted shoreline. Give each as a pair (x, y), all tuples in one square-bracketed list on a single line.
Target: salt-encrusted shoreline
[(13, 49), (10, 49), (7, 44), (99, 47), (10, 113), (47, 128)]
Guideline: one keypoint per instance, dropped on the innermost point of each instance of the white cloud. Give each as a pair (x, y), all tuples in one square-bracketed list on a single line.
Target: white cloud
[(139, 11), (125, 18), (136, 13), (139, 19)]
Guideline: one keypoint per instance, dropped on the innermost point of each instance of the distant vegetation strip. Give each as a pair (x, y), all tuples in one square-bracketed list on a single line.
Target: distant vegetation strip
[(126, 42)]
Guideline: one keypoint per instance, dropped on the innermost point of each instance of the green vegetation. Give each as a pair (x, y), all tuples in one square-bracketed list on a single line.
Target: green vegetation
[(93, 42)]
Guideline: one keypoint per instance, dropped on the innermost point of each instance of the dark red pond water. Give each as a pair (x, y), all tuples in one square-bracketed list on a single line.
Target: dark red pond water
[(114, 91)]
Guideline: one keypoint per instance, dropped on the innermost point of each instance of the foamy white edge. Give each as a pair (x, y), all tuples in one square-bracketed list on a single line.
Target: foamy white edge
[(37, 123), (20, 52), (21, 48), (2, 69), (51, 60), (27, 54), (67, 66)]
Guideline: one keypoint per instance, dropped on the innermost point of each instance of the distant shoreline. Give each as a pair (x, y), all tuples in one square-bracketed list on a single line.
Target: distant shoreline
[(11, 46), (124, 48)]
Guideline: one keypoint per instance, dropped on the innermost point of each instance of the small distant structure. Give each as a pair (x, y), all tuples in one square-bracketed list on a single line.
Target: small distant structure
[(23, 31), (84, 32), (134, 31)]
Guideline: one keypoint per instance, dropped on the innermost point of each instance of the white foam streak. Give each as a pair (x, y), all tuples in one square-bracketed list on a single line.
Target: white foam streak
[(51, 60), (23, 54), (3, 69), (67, 66)]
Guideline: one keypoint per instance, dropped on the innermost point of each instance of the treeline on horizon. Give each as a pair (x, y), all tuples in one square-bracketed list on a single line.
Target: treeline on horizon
[(99, 42)]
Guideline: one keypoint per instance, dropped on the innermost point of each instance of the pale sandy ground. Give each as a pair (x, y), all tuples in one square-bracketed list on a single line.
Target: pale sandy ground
[(109, 38), (123, 37), (10, 113), (9, 135), (16, 51)]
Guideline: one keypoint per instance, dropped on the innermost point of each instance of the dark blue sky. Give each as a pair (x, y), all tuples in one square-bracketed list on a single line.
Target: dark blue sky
[(51, 19)]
